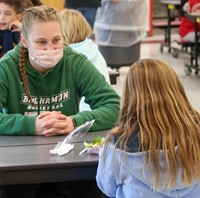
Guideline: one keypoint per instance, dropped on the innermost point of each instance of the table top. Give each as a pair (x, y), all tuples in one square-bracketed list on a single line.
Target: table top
[(32, 157), (34, 164), (26, 159), (41, 140)]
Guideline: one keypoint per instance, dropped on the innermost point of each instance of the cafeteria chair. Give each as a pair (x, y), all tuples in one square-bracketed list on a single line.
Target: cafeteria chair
[(117, 57)]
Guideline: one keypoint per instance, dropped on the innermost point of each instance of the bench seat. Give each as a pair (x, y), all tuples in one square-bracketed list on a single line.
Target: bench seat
[(164, 24)]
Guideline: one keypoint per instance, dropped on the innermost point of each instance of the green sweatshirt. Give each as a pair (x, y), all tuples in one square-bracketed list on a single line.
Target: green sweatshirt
[(60, 89)]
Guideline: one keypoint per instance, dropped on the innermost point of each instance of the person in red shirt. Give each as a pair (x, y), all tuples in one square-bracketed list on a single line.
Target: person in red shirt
[(187, 27)]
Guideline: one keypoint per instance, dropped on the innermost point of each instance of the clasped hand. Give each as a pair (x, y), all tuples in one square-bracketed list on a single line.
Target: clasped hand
[(53, 123)]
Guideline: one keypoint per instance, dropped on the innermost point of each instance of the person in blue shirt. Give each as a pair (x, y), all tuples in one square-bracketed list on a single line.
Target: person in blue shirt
[(154, 151), (10, 12), (76, 32)]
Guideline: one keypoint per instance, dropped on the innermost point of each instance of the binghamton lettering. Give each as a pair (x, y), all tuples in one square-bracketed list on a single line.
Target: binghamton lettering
[(45, 100)]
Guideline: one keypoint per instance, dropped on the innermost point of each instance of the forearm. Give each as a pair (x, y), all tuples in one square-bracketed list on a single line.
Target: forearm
[(105, 117), (17, 124)]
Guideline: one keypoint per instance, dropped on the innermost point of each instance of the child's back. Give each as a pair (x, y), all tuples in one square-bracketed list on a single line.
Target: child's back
[(154, 150)]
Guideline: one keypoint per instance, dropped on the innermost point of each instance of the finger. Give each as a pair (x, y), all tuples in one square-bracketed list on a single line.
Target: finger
[(47, 113), (56, 125), (43, 114), (49, 123), (61, 117), (10, 26), (14, 30), (49, 134), (52, 131), (56, 111)]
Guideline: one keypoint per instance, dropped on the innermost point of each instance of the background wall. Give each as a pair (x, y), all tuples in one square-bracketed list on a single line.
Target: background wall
[(58, 4), (159, 10)]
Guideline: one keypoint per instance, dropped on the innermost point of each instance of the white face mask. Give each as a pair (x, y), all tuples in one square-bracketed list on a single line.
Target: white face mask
[(46, 58)]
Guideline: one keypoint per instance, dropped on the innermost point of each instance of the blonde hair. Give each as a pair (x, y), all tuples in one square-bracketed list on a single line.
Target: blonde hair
[(75, 28), (31, 16), (155, 102)]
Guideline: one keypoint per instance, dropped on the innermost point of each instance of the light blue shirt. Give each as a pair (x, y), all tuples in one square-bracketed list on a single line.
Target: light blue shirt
[(124, 177), (91, 51)]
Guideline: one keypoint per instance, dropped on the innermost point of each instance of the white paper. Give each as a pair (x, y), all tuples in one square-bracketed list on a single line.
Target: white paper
[(63, 149)]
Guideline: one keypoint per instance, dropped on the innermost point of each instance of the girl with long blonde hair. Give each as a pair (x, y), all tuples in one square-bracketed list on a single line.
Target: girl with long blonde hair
[(155, 149)]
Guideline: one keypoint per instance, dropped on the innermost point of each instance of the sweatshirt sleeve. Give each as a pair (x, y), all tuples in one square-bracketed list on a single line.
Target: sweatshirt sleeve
[(102, 98), (16, 123), (105, 177)]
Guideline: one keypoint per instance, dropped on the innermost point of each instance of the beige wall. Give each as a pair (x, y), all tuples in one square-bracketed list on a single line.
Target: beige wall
[(58, 4)]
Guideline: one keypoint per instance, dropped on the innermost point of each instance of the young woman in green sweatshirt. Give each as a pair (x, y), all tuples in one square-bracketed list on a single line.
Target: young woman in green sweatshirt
[(41, 83)]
